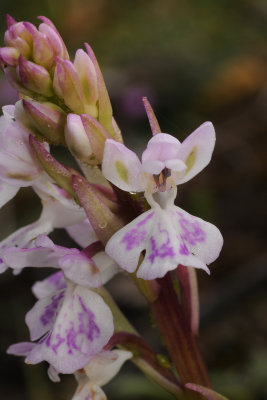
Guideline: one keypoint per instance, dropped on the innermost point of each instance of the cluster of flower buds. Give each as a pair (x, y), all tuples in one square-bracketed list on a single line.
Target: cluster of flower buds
[(75, 323), (37, 65)]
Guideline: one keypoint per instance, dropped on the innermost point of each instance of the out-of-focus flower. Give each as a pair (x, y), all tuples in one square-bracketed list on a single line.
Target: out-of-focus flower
[(59, 211), (102, 368), (169, 235), (18, 164)]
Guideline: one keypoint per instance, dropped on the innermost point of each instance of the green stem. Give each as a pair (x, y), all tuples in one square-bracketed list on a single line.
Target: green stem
[(178, 338)]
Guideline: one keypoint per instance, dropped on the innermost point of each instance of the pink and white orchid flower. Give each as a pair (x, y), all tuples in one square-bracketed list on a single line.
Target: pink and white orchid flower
[(102, 368), (169, 235), (72, 326)]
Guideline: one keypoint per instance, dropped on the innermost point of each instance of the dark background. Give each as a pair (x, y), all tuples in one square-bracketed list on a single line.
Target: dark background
[(195, 61)]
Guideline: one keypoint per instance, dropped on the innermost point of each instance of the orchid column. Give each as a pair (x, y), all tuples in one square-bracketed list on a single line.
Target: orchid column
[(75, 324)]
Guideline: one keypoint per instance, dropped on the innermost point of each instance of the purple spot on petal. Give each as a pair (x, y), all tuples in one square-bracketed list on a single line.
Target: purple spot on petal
[(87, 327), (191, 231), (164, 250), (56, 345), (183, 250), (51, 309), (136, 236)]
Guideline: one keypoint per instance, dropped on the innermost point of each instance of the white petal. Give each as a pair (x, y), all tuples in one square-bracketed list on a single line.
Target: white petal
[(196, 150), (53, 374), (79, 269), (122, 167), (153, 167), (161, 147), (21, 349), (125, 246), (23, 237), (82, 233), (7, 192), (106, 365), (89, 391), (106, 266), (49, 285)]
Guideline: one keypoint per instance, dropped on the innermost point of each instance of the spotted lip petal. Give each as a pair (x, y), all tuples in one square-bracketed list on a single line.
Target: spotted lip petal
[(83, 325), (169, 236)]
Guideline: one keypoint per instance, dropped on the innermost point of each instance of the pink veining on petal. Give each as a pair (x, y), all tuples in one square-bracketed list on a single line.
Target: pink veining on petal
[(192, 232), (136, 236), (164, 250)]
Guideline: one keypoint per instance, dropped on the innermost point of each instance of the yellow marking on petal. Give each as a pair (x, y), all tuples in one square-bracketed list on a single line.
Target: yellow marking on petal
[(20, 176), (122, 171), (190, 161)]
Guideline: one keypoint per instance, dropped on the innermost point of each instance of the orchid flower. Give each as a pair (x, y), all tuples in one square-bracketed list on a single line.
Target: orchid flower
[(102, 368), (90, 268), (18, 166), (72, 325), (169, 235), (59, 211)]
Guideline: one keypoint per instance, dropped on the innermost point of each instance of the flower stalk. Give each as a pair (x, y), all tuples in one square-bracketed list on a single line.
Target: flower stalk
[(178, 338)]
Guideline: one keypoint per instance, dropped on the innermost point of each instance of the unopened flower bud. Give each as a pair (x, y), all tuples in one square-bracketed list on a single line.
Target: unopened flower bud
[(35, 77), (19, 37), (49, 29), (9, 56), (10, 21), (88, 79), (67, 85), (76, 138), (42, 52), (96, 134), (48, 118)]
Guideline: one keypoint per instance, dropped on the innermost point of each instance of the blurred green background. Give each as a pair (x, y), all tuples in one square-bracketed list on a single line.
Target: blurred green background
[(195, 61)]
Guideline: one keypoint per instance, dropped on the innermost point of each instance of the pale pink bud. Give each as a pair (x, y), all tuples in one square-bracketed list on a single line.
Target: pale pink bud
[(18, 43), (19, 37), (9, 56), (48, 118), (13, 79), (88, 78), (96, 134), (35, 77), (77, 139), (42, 52), (67, 85), (104, 105), (49, 29)]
